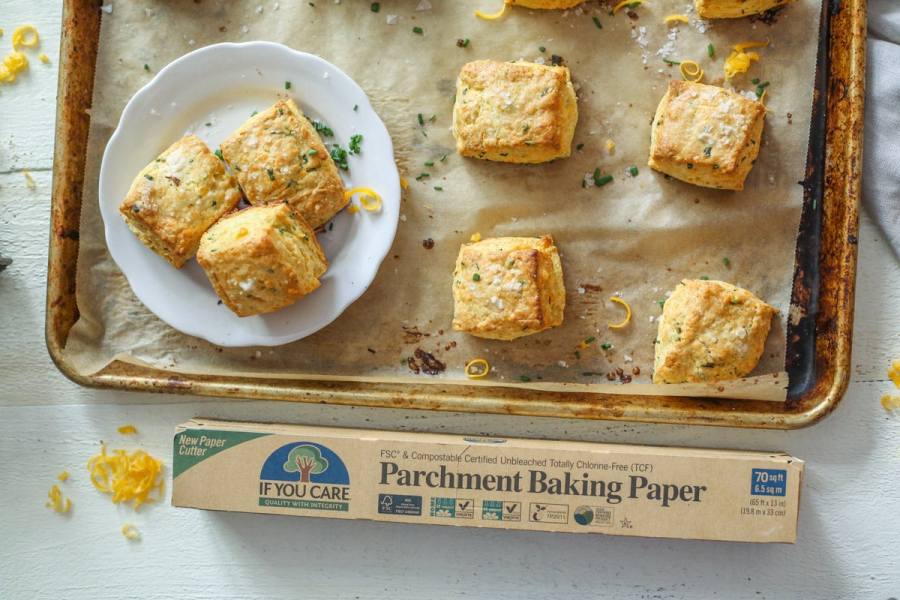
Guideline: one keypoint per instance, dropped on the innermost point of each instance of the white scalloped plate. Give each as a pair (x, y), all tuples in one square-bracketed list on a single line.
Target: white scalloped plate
[(210, 93)]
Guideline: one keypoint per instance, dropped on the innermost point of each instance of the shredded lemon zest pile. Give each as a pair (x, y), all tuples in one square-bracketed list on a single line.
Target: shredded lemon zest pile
[(739, 61), (890, 402), (63, 476), (627, 317), (56, 500), (763, 96), (671, 18), (353, 209), (29, 180), (497, 15), (127, 430), (18, 37), (403, 183), (130, 531), (691, 71), (477, 374), (127, 476), (365, 193), (625, 3), (476, 237), (610, 145)]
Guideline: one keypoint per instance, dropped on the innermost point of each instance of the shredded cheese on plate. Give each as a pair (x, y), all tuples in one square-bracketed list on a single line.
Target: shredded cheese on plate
[(127, 430), (130, 531), (63, 476), (691, 71), (739, 61)]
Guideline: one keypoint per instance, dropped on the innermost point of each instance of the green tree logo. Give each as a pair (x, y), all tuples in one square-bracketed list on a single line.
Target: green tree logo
[(305, 460)]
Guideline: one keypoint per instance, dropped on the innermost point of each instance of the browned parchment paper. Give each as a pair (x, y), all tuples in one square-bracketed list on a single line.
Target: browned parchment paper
[(636, 237)]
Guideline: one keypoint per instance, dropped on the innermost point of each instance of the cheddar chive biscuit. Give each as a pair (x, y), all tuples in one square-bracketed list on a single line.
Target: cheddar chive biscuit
[(710, 331), (706, 135), (506, 288), (514, 112), (262, 258), (277, 156), (730, 9), (177, 197)]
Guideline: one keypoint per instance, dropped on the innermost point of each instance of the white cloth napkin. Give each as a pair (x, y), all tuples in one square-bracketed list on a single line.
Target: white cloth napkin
[(881, 152)]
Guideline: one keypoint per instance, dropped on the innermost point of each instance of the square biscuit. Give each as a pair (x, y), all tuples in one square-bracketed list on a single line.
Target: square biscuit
[(277, 156), (545, 4), (514, 112), (706, 135), (710, 331), (506, 288), (731, 9), (177, 197), (262, 258)]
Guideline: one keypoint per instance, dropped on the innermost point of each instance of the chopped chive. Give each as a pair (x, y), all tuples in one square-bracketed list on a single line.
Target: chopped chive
[(331, 226), (596, 173), (542, 49), (465, 43), (419, 177), (579, 146), (671, 62), (577, 354), (402, 360), (704, 278), (219, 154), (254, 113), (421, 120), (431, 118), (763, 85), (417, 30), (150, 177), (603, 180), (589, 340), (356, 107), (525, 378), (633, 171), (583, 184), (438, 188), (710, 50), (662, 303), (271, 174), (209, 124), (606, 346), (429, 163), (725, 261), (146, 67), (759, 92), (375, 7), (443, 158), (707, 151), (597, 23), (287, 85), (476, 277), (755, 80), (424, 134), (313, 152)]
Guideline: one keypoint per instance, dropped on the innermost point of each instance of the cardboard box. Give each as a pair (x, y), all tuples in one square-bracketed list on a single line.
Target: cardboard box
[(534, 485)]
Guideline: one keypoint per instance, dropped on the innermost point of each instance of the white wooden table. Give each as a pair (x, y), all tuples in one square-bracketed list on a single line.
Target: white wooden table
[(849, 531)]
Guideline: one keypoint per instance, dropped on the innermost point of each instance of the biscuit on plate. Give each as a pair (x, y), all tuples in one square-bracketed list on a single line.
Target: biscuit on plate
[(505, 288), (545, 3), (177, 197), (262, 258), (514, 112), (710, 331), (277, 156), (706, 135), (730, 9)]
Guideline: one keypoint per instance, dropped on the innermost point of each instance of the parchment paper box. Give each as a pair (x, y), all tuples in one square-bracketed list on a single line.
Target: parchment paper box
[(534, 485)]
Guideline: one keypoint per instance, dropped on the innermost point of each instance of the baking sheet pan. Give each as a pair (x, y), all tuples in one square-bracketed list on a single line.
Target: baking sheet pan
[(819, 334)]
